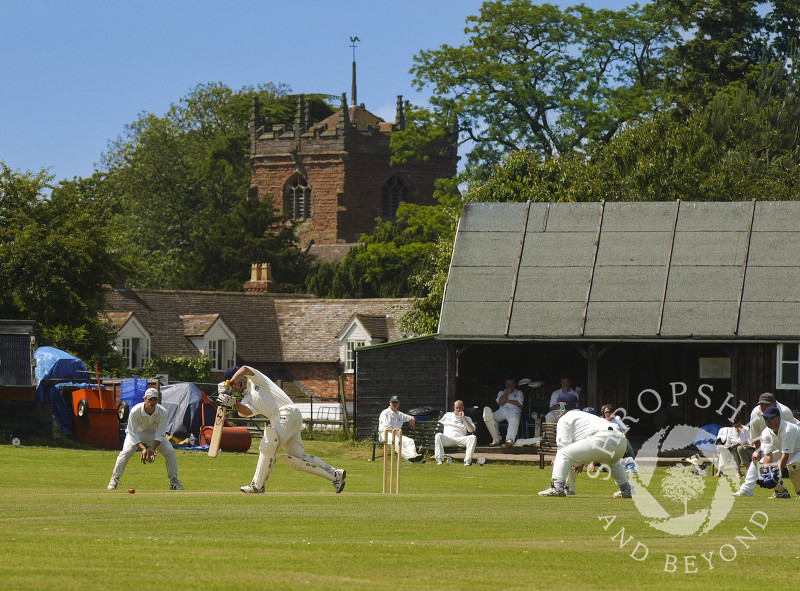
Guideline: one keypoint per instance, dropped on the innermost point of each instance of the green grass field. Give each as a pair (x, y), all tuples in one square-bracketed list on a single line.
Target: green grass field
[(452, 527)]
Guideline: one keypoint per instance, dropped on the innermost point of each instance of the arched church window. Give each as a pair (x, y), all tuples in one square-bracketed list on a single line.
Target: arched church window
[(297, 197), (393, 192)]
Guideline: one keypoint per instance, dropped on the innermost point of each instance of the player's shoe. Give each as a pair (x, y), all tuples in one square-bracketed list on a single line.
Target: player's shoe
[(570, 492), (784, 494), (626, 492), (509, 442), (496, 443), (112, 485), (552, 492), (175, 486), (252, 490), (439, 462), (743, 493), (338, 484)]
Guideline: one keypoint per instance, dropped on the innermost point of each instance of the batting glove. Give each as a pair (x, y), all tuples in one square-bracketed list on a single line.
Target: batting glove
[(224, 388), (226, 400)]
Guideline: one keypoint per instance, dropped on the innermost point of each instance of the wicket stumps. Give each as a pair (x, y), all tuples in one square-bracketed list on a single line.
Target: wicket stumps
[(394, 450)]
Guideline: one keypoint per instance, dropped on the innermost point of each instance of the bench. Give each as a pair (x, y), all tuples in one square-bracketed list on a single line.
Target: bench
[(547, 443), (424, 436)]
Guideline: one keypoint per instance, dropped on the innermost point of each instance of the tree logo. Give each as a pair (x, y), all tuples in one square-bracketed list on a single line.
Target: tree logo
[(680, 485)]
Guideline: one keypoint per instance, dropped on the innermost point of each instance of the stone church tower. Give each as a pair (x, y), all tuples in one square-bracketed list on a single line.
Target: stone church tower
[(334, 177)]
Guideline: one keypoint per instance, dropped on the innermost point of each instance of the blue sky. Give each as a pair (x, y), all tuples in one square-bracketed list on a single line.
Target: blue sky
[(75, 72)]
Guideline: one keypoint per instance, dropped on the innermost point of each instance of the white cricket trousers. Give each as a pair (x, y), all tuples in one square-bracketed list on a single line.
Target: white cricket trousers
[(466, 441), (129, 449), (409, 449), (505, 413), (607, 447)]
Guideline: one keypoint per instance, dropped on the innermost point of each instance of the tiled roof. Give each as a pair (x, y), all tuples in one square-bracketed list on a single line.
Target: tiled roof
[(195, 325), (330, 253), (376, 326), (118, 319), (358, 115), (269, 328), (309, 327)]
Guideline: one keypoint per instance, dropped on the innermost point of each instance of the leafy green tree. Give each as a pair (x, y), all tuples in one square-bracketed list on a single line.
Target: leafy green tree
[(175, 188), (56, 263), (180, 369), (534, 77), (385, 263)]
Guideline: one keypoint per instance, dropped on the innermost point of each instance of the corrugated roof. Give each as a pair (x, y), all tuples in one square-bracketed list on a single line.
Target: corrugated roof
[(664, 270)]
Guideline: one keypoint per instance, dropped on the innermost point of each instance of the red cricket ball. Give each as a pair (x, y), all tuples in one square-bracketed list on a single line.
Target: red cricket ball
[(131, 490)]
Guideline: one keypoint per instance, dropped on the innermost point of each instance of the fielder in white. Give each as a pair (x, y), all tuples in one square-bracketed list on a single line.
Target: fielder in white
[(582, 438), (509, 403), (147, 426), (784, 440), (458, 430), (758, 431), (392, 418), (263, 396)]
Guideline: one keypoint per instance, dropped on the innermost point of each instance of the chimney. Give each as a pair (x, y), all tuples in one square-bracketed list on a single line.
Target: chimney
[(260, 279)]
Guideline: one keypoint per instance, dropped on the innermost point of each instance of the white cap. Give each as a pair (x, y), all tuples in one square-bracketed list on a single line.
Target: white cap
[(150, 393)]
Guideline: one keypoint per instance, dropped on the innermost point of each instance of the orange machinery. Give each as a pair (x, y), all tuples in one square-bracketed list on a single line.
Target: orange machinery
[(97, 420)]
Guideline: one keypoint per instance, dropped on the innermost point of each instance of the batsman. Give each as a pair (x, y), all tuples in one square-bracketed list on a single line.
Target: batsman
[(262, 396)]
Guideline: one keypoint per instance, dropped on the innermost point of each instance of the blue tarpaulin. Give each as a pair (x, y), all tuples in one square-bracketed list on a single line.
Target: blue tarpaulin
[(132, 390), (53, 363), (182, 402)]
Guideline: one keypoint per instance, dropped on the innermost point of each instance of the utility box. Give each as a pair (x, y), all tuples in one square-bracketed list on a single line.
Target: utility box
[(20, 415)]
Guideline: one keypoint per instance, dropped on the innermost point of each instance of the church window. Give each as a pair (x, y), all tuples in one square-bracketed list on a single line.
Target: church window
[(298, 199), (394, 191)]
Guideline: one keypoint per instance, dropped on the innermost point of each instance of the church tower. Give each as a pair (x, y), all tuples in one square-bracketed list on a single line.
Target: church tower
[(333, 176)]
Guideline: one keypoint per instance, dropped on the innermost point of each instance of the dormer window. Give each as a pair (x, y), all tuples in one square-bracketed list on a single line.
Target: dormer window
[(132, 338), (360, 331), (212, 337)]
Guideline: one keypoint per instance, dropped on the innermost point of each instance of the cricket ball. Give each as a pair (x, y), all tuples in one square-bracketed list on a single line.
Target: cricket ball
[(131, 490)]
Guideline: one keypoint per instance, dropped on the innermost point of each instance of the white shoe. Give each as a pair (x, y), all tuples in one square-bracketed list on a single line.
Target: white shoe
[(251, 489), (438, 462), (495, 443), (552, 492), (467, 463), (175, 486), (509, 442), (112, 485), (743, 493), (338, 484), (570, 492), (621, 495)]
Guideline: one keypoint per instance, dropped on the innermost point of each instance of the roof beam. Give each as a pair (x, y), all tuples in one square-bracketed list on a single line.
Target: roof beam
[(516, 269), (744, 267), (667, 268), (594, 263)]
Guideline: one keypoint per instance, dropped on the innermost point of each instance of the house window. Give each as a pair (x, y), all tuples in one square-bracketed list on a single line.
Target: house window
[(221, 352), (788, 374), (394, 191), (133, 353), (297, 197), (350, 358)]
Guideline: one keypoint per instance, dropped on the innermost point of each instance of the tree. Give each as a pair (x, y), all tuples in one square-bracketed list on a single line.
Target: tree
[(534, 77), (56, 263), (726, 40), (175, 190)]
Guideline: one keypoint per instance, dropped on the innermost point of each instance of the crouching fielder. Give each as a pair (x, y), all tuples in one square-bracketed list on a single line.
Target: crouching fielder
[(582, 438), (263, 396)]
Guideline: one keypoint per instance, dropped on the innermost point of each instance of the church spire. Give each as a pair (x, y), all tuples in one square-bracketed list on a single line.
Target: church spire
[(353, 85)]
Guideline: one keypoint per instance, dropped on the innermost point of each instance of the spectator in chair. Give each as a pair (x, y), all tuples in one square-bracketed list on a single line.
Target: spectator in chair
[(566, 387), (459, 430), (509, 408), (392, 418)]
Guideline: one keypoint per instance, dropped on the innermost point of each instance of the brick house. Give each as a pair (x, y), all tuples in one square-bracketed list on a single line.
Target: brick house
[(333, 176), (304, 343)]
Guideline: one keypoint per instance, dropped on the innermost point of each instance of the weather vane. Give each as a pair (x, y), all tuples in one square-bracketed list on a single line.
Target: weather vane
[(353, 45)]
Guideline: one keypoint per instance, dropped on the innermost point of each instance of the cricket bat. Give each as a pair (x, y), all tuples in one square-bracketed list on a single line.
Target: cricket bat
[(216, 434)]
